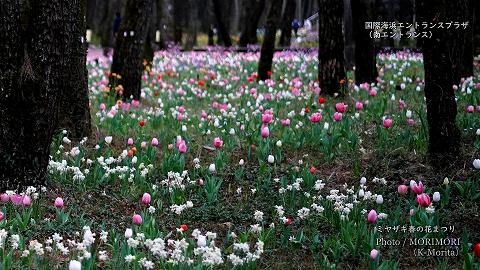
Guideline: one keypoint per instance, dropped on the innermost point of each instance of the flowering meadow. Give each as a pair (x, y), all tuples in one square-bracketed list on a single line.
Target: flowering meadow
[(213, 169)]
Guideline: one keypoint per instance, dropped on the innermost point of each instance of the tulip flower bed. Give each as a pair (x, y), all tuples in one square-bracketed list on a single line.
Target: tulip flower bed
[(212, 169)]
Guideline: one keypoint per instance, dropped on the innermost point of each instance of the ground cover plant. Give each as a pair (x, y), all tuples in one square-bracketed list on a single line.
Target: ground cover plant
[(213, 169)]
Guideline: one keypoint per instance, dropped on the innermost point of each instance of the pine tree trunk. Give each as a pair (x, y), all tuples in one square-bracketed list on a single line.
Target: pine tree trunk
[(130, 46), (439, 78), (222, 29), (288, 16), (253, 12), (74, 107), (33, 46), (365, 56), (268, 45), (331, 69)]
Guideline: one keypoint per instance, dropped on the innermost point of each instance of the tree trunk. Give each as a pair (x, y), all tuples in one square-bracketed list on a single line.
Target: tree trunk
[(439, 78), (365, 56), (191, 25), (288, 16), (129, 48), (253, 12), (348, 35), (34, 41), (331, 69), (463, 11), (268, 45), (222, 29), (74, 107)]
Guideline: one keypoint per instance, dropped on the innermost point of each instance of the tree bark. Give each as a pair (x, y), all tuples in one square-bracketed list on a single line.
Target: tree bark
[(74, 107), (222, 29), (34, 39), (365, 56), (440, 76), (191, 25), (253, 12), (268, 45), (331, 69), (288, 16), (129, 48)]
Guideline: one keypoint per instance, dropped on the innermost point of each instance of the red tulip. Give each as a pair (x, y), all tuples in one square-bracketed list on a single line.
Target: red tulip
[(141, 123), (476, 250), (184, 227)]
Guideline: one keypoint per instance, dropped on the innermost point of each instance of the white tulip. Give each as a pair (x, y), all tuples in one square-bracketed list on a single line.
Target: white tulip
[(211, 168), (128, 233), (476, 163), (363, 180), (279, 143), (436, 196), (108, 139), (74, 265), (271, 159), (241, 162), (409, 114), (379, 199)]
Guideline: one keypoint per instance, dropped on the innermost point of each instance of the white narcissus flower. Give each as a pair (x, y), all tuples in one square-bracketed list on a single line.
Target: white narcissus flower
[(74, 265), (201, 241)]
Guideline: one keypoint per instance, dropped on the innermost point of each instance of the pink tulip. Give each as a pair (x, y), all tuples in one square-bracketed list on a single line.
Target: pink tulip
[(217, 142), (180, 117), (146, 198), (423, 199), (387, 122), (102, 106), (154, 141), (137, 219), (401, 104), (372, 92), (16, 199), (359, 105), (182, 147), (58, 202), (417, 188), (402, 189), (143, 145), (130, 141), (337, 116), (27, 201), (341, 107), (285, 122), (1, 215), (265, 132), (267, 118), (372, 216), (411, 212), (374, 254), (410, 122), (315, 118), (470, 109), (4, 197)]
